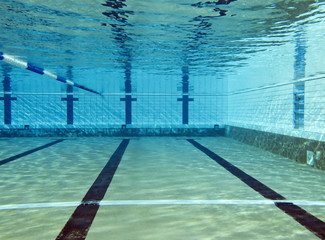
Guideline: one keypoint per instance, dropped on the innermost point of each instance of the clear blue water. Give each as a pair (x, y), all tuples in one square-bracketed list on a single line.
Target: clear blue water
[(152, 170), (158, 37), (160, 52)]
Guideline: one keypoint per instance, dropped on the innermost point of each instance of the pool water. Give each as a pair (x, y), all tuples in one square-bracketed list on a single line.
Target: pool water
[(153, 169)]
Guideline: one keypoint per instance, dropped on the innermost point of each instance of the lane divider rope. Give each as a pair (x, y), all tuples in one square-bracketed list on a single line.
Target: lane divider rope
[(25, 65)]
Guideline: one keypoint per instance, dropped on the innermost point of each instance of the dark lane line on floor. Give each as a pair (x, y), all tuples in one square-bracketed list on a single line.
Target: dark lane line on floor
[(303, 217), (80, 221), (306, 219), (20, 155), (249, 180)]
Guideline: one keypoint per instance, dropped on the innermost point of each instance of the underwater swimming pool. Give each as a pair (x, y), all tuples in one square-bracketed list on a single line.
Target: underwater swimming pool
[(167, 64), (163, 188), (138, 76)]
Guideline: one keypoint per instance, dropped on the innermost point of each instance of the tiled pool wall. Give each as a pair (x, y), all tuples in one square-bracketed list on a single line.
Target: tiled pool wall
[(281, 107), (291, 147), (111, 132), (254, 100), (150, 102)]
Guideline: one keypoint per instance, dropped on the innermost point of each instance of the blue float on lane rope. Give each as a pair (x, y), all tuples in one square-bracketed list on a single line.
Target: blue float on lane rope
[(13, 61)]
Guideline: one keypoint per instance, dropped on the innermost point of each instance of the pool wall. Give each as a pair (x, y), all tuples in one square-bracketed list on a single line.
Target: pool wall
[(154, 101), (294, 148), (116, 132), (281, 89), (263, 95)]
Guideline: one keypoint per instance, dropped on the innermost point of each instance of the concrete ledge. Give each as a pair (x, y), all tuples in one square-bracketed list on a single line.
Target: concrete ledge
[(116, 132), (291, 147)]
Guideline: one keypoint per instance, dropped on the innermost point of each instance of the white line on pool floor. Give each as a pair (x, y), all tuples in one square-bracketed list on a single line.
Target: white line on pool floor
[(160, 202)]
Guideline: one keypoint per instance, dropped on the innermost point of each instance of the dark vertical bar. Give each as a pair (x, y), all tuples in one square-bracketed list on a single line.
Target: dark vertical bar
[(69, 109), (185, 109), (185, 112), (185, 98), (299, 88), (128, 86), (185, 82), (80, 221), (119, 16), (128, 109), (7, 108), (128, 90), (70, 99), (300, 60), (7, 95), (69, 89)]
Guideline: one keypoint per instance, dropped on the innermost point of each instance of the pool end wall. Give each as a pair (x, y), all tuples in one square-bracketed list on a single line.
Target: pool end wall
[(111, 132), (294, 148)]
